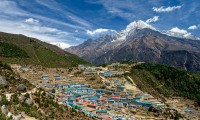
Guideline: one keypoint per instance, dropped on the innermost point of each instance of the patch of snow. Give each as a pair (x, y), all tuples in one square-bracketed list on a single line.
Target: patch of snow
[(138, 25), (121, 36)]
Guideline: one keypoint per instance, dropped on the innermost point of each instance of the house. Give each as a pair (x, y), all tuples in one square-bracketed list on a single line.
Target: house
[(81, 67), (101, 112), (90, 90), (111, 101), (69, 103), (107, 83), (123, 99), (116, 98), (45, 77), (118, 104), (108, 118), (98, 95), (102, 100), (92, 98), (116, 81), (57, 77), (120, 88), (129, 93), (59, 87), (138, 102), (90, 71), (93, 115), (115, 73), (71, 99), (24, 68), (92, 105), (99, 90), (106, 73)]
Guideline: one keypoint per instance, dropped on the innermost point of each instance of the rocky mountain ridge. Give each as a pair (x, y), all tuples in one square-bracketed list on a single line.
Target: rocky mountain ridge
[(141, 42)]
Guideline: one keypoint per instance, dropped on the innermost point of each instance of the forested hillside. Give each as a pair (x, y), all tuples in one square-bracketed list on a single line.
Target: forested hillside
[(167, 81)]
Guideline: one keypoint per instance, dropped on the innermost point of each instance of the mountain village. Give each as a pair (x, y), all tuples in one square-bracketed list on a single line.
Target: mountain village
[(99, 60), (106, 93)]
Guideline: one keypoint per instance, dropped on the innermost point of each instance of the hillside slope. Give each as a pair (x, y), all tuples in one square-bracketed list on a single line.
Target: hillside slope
[(24, 50), (27, 101), (164, 81)]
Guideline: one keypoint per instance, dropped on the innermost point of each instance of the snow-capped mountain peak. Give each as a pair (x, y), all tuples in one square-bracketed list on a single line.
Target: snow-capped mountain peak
[(138, 25), (131, 27)]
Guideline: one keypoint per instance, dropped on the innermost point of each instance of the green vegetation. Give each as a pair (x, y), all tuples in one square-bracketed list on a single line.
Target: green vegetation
[(167, 81), (127, 62), (2, 116), (5, 66), (24, 50), (11, 50)]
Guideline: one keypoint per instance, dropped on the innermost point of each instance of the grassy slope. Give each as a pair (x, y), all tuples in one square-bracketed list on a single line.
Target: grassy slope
[(39, 52), (162, 80), (11, 50)]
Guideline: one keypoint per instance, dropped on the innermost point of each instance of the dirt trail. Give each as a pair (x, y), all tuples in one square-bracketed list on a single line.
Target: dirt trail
[(25, 117)]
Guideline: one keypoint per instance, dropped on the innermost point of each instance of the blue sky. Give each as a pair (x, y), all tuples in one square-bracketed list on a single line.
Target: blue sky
[(70, 22)]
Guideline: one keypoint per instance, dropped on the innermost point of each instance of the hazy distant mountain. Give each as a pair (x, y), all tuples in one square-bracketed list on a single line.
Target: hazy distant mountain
[(141, 42)]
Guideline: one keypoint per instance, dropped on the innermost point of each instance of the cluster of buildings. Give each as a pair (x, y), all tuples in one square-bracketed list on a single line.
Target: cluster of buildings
[(101, 102), (105, 72), (115, 101)]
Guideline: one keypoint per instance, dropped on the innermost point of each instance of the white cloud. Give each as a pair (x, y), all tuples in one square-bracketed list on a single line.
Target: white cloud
[(166, 9), (193, 27), (42, 29), (98, 31), (12, 16), (10, 9), (31, 20), (44, 33), (179, 32), (62, 45), (154, 19)]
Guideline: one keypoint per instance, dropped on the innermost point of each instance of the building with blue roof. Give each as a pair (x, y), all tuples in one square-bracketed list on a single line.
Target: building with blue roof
[(106, 73), (57, 77), (45, 77)]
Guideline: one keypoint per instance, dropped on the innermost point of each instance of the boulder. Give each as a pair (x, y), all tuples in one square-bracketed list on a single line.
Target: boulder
[(4, 110), (3, 81), (23, 113), (17, 117), (9, 115), (21, 87), (29, 101), (21, 98), (17, 77)]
